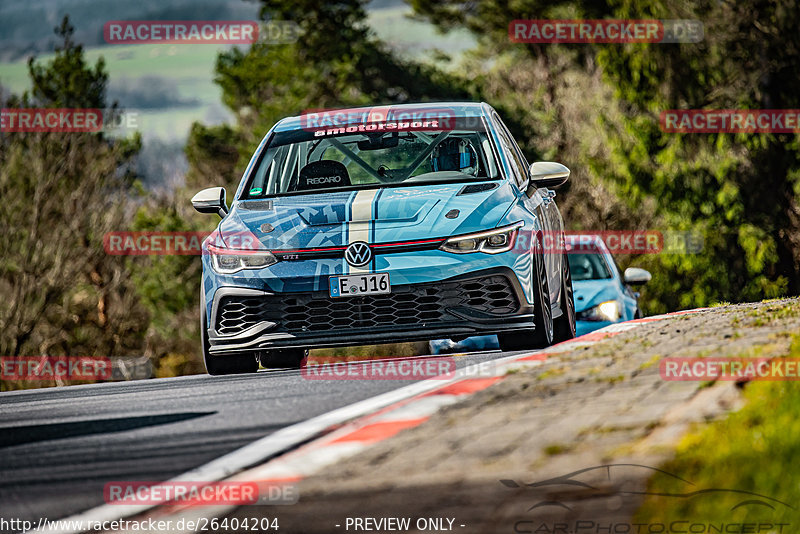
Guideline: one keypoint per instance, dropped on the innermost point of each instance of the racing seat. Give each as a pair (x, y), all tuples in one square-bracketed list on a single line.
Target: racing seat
[(323, 174), (455, 154)]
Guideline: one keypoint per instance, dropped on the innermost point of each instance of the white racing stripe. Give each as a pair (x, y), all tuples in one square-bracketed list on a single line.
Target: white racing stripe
[(360, 223)]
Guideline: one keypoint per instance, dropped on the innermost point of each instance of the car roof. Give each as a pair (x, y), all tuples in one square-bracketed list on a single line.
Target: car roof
[(458, 109)]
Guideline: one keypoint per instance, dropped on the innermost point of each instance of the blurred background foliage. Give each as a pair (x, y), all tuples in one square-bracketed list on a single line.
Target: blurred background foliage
[(593, 107)]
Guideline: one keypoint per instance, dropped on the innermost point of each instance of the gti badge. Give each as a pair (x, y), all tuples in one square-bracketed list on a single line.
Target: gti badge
[(358, 254)]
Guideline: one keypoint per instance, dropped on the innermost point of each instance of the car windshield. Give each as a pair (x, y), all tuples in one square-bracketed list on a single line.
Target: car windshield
[(588, 266), (355, 157)]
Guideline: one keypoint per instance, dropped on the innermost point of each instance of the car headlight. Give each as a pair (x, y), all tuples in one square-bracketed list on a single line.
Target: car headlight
[(490, 241), (230, 261), (605, 311)]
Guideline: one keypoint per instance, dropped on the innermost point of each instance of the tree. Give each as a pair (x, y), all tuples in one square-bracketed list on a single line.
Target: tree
[(739, 190), (63, 295)]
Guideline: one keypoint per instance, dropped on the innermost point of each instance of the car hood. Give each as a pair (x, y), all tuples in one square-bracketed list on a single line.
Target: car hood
[(376, 215), (590, 293)]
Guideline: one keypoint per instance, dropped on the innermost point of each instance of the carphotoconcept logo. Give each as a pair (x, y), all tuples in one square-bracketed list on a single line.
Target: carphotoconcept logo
[(605, 31), (623, 485)]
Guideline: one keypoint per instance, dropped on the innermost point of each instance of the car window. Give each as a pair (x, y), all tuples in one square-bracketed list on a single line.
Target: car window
[(518, 161), (588, 266), (297, 161)]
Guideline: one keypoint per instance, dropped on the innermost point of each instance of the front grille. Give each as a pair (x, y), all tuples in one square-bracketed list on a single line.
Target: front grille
[(412, 305)]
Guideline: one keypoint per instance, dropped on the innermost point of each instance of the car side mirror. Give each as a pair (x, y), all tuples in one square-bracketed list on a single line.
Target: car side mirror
[(211, 200), (636, 276), (548, 174)]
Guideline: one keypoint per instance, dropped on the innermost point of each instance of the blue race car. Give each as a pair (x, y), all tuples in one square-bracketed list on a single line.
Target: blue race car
[(381, 225), (602, 295)]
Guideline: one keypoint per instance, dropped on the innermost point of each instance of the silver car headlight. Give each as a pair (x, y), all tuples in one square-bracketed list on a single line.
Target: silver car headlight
[(490, 241), (226, 261), (605, 311)]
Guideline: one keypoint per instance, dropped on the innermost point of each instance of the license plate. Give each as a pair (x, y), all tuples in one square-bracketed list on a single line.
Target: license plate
[(359, 284)]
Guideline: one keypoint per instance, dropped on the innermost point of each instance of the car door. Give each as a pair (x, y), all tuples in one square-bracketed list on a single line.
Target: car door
[(542, 204)]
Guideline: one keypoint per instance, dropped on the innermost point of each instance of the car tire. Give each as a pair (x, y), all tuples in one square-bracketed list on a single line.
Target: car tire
[(565, 325), (291, 358), (224, 365), (542, 334)]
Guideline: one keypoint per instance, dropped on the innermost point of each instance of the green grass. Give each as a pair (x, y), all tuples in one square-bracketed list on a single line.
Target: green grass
[(557, 448), (649, 363), (755, 449), (550, 373), (771, 313), (610, 379)]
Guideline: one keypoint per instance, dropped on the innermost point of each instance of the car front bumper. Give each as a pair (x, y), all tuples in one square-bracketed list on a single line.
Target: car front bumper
[(480, 302)]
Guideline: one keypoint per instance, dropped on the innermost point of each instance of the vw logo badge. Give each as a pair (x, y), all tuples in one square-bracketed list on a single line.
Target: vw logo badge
[(358, 254)]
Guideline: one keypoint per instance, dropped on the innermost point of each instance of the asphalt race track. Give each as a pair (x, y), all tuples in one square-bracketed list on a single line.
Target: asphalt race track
[(59, 446)]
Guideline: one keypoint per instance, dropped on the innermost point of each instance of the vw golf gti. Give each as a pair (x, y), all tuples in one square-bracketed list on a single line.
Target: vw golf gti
[(383, 224)]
